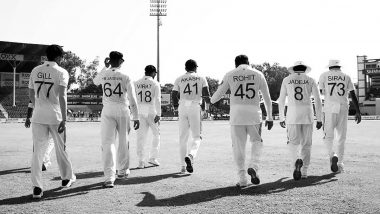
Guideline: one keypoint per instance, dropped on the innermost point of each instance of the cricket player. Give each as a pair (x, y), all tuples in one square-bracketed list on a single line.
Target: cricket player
[(336, 86), (118, 96), (187, 94), (298, 88), (50, 146), (47, 91), (148, 93), (245, 83)]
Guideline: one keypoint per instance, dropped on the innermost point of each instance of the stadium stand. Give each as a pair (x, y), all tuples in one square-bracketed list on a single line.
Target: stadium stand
[(22, 100)]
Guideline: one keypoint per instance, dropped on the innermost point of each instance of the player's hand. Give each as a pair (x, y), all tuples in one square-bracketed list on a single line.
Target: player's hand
[(27, 123), (283, 124), (107, 62), (156, 118), (176, 110), (205, 114), (358, 118), (319, 125), (269, 123), (136, 124), (61, 127)]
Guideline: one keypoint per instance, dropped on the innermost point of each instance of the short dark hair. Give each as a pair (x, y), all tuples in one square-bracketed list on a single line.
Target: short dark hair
[(241, 59), (336, 66), (299, 68), (191, 65), (54, 51), (149, 69)]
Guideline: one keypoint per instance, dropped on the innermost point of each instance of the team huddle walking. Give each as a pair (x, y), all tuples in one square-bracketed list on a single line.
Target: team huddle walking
[(139, 103)]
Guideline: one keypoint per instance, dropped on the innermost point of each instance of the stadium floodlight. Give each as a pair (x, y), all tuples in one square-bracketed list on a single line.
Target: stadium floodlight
[(158, 8)]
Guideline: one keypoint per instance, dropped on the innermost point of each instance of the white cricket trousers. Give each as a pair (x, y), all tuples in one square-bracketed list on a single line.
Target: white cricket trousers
[(335, 127), (50, 146), (146, 123), (40, 140), (239, 134), (299, 143), (115, 120), (189, 121)]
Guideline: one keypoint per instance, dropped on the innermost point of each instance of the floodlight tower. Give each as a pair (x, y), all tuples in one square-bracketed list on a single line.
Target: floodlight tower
[(158, 8)]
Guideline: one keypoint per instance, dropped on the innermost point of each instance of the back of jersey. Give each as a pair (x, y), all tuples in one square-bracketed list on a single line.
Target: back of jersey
[(299, 89), (45, 80), (245, 84), (336, 86), (190, 87), (114, 84)]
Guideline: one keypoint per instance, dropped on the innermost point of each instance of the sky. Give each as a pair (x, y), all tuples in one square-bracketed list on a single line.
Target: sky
[(212, 32)]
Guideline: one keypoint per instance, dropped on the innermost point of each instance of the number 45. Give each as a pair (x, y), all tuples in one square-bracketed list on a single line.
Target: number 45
[(240, 93)]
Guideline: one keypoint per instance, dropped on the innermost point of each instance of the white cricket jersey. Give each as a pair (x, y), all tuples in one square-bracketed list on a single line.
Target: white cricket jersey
[(299, 88), (117, 89), (46, 79), (245, 83), (335, 86), (190, 87), (148, 94)]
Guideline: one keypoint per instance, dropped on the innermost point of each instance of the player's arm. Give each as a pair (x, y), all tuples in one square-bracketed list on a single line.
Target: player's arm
[(157, 103), (351, 89), (133, 103), (62, 94), (175, 94), (222, 89), (318, 104), (281, 104), (29, 114), (267, 102)]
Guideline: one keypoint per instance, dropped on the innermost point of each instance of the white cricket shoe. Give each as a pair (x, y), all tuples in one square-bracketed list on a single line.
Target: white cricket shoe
[(68, 183), (154, 162), (108, 184), (334, 163), (123, 174), (141, 165), (340, 169), (183, 170)]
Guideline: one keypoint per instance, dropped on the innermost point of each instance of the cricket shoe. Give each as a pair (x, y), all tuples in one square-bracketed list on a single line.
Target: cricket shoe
[(297, 171), (340, 169), (108, 184), (43, 167), (254, 176), (189, 163), (67, 183), (241, 184), (334, 164), (141, 165), (37, 193), (154, 162), (123, 174)]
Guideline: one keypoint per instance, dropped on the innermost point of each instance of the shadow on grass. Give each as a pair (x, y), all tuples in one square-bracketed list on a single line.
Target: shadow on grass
[(149, 179), (53, 194), (83, 175), (212, 194), (12, 171)]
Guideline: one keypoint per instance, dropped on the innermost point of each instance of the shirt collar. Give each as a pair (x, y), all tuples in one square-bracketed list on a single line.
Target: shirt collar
[(51, 63), (243, 66), (148, 77)]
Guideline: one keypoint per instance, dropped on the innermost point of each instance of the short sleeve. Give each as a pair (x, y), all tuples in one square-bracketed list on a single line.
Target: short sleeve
[(350, 85), (31, 82), (176, 85), (64, 78)]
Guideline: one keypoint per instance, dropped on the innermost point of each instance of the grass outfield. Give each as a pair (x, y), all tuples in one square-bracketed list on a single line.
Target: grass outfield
[(210, 189)]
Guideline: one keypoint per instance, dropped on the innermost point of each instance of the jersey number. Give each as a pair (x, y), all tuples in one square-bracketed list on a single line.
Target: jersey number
[(147, 98), (39, 87), (298, 93), (187, 89), (249, 91), (341, 91), (108, 91)]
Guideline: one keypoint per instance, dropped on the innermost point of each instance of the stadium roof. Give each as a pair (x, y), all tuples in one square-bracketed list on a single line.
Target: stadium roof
[(27, 55)]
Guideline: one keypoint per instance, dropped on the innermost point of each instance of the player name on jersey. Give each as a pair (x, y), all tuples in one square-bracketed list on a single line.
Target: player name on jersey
[(187, 79), (243, 78), (43, 75), (112, 78), (336, 78), (298, 82), (144, 86)]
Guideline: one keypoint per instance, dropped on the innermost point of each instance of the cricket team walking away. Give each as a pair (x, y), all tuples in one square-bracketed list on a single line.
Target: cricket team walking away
[(125, 101)]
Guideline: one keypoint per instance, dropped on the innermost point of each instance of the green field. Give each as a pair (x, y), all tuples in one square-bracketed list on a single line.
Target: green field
[(210, 189)]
